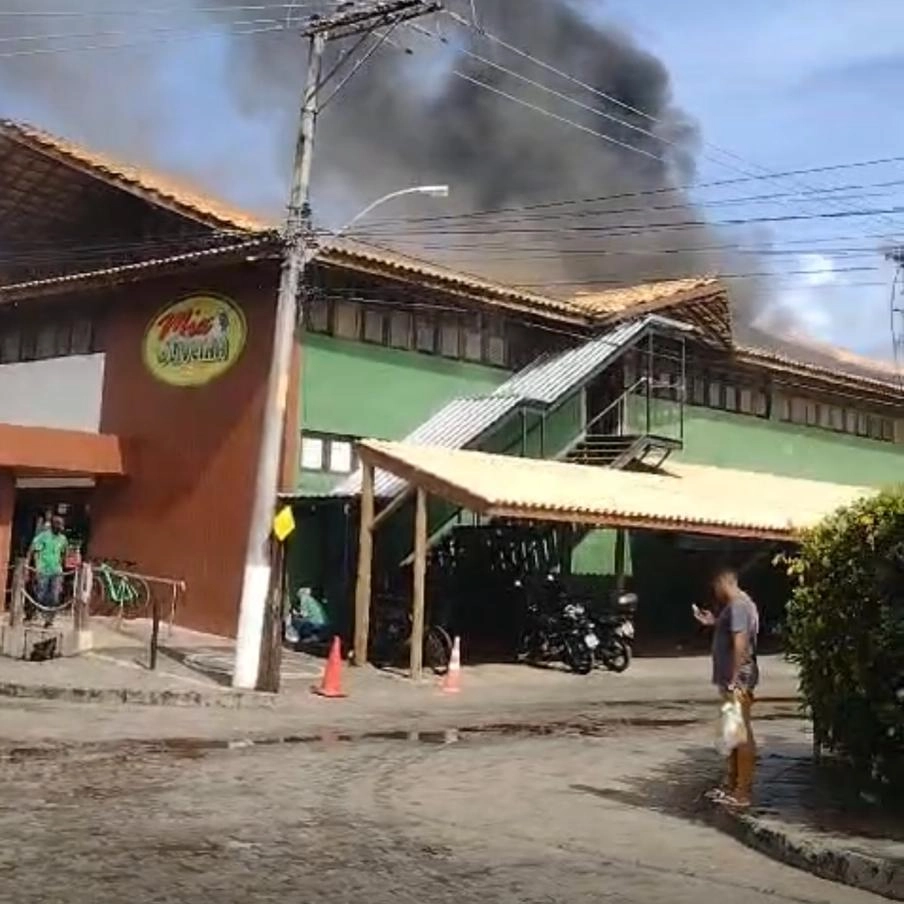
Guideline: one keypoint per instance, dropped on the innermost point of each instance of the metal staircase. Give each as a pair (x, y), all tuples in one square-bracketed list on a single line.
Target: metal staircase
[(632, 444), (468, 423)]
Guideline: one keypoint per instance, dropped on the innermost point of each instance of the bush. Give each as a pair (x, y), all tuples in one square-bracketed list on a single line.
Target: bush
[(846, 633)]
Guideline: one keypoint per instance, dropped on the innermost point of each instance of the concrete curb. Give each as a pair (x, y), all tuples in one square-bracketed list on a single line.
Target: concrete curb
[(879, 875), (226, 699)]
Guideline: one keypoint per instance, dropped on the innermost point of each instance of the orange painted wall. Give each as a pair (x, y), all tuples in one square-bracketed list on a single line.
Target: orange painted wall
[(183, 510)]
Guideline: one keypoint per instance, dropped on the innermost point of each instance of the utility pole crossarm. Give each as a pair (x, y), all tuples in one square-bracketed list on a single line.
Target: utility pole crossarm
[(356, 21)]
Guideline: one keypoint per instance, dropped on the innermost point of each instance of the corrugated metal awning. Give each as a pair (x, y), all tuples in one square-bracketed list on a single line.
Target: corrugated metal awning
[(687, 498), (546, 382)]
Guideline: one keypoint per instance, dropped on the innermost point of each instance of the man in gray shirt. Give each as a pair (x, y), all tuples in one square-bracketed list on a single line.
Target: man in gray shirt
[(736, 624)]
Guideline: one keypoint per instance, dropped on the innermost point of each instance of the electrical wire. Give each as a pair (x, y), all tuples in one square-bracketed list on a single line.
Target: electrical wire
[(632, 228), (127, 45), (861, 192), (361, 62), (594, 199), (166, 11), (608, 97)]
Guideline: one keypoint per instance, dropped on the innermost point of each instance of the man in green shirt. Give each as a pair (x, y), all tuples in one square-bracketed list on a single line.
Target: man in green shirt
[(47, 554)]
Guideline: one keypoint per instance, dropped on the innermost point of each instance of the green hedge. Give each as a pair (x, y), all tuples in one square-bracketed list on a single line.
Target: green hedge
[(846, 633)]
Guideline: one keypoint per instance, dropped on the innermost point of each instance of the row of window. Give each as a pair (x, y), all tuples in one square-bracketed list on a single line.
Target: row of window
[(834, 417), (328, 454), (46, 340), (715, 391), (470, 337)]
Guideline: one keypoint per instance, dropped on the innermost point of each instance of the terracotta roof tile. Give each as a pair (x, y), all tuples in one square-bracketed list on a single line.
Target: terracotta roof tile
[(344, 251), (159, 189), (646, 296)]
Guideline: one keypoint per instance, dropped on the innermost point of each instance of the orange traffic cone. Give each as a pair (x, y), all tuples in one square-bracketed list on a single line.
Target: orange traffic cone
[(452, 679), (331, 684)]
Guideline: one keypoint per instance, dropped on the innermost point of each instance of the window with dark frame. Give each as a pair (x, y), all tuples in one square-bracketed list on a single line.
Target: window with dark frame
[(374, 325), (400, 329), (327, 453), (473, 338), (312, 453), (731, 398), (450, 336), (497, 351), (699, 391), (424, 333), (761, 404), (319, 315), (347, 320), (745, 401), (45, 341), (10, 346)]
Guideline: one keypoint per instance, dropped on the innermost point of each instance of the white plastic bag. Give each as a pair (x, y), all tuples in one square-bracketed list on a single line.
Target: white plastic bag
[(732, 730)]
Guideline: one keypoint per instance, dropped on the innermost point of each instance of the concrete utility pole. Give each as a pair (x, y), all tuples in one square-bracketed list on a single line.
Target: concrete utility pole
[(351, 19)]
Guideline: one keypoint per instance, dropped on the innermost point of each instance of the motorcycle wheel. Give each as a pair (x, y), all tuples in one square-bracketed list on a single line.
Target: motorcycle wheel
[(578, 656), (617, 657), (437, 650)]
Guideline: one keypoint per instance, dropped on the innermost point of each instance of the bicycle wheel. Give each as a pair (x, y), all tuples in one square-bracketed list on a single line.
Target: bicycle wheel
[(437, 649), (99, 601), (136, 593)]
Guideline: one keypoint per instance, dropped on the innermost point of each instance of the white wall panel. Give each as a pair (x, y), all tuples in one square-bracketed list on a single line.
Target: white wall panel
[(65, 393)]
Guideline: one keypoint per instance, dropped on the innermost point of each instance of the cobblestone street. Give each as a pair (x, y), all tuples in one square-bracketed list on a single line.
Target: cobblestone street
[(612, 815)]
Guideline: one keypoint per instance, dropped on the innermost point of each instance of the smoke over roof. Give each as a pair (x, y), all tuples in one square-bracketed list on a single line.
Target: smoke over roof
[(409, 117)]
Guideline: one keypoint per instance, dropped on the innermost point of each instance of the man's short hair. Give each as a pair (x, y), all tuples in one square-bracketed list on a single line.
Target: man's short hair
[(723, 571)]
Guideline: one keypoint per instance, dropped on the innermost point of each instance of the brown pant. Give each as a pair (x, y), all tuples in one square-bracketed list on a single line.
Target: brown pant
[(742, 760)]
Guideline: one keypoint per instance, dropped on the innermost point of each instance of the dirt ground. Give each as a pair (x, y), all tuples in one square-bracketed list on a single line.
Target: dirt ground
[(610, 813)]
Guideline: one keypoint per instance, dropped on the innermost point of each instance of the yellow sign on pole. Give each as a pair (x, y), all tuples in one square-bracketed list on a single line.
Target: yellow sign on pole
[(283, 523)]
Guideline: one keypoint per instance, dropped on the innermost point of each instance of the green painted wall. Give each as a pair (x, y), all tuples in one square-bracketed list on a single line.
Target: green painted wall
[(755, 444), (595, 554), (367, 390)]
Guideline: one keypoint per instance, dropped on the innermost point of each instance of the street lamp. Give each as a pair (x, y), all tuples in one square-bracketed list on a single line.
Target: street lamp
[(432, 191)]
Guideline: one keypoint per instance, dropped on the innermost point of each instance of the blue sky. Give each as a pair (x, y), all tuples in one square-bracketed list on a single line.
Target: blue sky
[(789, 85), (783, 84)]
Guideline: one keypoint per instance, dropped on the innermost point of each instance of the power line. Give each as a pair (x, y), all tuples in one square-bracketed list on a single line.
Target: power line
[(166, 11), (608, 97), (556, 116), (862, 193), (630, 228), (179, 35), (687, 187)]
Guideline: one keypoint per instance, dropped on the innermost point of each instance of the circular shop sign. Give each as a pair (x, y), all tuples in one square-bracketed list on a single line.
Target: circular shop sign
[(195, 340)]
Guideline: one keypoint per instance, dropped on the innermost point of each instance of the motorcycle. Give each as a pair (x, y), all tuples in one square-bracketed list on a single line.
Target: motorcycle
[(557, 629), (616, 635)]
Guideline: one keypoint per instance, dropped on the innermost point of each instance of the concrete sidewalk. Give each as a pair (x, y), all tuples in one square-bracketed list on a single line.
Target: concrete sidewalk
[(39, 702), (808, 817)]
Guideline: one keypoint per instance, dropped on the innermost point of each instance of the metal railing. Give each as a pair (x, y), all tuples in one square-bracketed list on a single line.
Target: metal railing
[(113, 583)]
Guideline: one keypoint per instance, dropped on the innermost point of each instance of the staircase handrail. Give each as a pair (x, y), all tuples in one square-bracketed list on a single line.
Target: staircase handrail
[(639, 383)]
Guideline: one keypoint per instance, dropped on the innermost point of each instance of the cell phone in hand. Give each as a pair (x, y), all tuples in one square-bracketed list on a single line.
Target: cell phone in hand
[(696, 610)]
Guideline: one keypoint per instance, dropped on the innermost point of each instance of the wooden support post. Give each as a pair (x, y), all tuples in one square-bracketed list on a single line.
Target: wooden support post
[(620, 549), (17, 596), (365, 565), (420, 574)]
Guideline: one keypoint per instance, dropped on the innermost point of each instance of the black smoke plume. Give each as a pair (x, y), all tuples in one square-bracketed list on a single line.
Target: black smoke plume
[(410, 116)]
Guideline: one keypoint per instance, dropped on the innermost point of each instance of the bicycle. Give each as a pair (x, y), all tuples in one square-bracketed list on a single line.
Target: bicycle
[(114, 585), (391, 640)]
